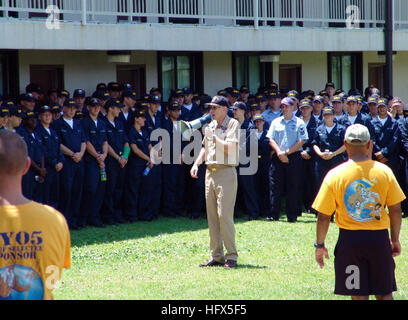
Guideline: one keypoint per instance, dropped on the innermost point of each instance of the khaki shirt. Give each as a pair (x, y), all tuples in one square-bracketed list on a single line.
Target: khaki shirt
[(228, 131)]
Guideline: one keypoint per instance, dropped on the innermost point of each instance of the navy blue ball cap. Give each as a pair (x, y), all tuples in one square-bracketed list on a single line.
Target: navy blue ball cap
[(112, 103), (33, 87), (44, 109), (94, 102), (70, 103), (101, 95), (79, 93), (29, 115), (27, 97), (154, 99), (129, 94), (63, 93), (219, 101), (114, 86), (174, 106), (188, 91), (55, 108), (240, 105), (101, 86)]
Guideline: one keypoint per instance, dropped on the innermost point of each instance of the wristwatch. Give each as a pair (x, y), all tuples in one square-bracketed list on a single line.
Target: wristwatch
[(318, 246)]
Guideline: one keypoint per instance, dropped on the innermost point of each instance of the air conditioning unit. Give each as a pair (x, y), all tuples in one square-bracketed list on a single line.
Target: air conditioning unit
[(269, 58), (119, 56)]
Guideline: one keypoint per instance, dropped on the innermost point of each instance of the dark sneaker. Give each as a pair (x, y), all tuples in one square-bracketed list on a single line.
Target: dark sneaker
[(230, 264), (211, 263)]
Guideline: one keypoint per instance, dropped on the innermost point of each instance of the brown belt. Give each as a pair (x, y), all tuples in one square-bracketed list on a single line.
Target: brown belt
[(216, 167)]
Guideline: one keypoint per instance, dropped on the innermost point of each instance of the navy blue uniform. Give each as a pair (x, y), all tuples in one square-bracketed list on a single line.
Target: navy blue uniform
[(53, 155), (364, 108), (134, 176), (262, 175), (112, 205), (173, 176), (387, 140), (403, 127), (94, 187), (32, 189), (309, 184), (361, 119), (127, 122), (284, 177), (194, 199), (328, 141), (246, 183), (190, 115), (72, 175), (151, 198)]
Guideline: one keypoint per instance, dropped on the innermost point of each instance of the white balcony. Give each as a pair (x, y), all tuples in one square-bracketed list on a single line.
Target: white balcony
[(371, 13), (212, 25)]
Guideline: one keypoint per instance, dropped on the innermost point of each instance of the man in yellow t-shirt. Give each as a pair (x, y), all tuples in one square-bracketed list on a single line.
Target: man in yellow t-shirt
[(359, 191), (34, 239)]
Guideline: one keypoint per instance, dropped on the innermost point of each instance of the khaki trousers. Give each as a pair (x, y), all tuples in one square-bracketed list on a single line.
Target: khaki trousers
[(220, 193)]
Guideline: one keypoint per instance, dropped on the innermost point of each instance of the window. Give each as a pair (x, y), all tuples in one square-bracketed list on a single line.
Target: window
[(9, 86), (345, 70), (133, 74), (290, 77), (47, 76), (248, 70), (180, 70)]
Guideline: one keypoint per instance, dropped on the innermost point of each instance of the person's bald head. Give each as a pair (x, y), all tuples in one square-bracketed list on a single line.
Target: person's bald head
[(13, 154)]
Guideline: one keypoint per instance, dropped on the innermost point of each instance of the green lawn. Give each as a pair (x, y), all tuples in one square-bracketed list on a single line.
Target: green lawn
[(159, 261)]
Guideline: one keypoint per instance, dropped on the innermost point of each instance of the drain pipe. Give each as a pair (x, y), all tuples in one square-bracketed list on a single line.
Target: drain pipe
[(389, 35)]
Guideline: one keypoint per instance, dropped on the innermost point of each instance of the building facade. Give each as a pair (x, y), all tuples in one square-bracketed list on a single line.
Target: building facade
[(202, 44)]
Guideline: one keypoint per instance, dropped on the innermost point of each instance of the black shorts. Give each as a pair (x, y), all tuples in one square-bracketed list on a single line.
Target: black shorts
[(364, 264)]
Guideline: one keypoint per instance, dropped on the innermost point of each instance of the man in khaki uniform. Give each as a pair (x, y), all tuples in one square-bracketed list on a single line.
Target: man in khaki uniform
[(220, 153)]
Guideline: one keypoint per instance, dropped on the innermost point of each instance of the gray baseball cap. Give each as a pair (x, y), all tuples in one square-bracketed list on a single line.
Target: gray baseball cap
[(357, 135)]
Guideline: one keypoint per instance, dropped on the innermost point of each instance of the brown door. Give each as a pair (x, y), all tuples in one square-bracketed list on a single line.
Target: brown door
[(290, 76), (133, 74), (376, 75), (47, 77)]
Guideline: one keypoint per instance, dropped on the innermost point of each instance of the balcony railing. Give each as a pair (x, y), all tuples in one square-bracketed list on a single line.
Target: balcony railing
[(254, 13)]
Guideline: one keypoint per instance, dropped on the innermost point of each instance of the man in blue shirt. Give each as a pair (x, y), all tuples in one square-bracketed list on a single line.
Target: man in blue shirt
[(115, 164), (274, 111), (387, 138), (96, 153), (353, 116), (309, 186), (287, 135), (246, 183), (73, 147), (54, 160)]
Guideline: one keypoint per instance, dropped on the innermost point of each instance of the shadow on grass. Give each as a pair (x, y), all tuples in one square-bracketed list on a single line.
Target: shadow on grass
[(141, 229), (249, 266), (92, 235)]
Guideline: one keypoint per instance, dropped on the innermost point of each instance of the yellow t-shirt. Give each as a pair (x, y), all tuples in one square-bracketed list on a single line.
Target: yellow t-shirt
[(34, 248), (358, 192)]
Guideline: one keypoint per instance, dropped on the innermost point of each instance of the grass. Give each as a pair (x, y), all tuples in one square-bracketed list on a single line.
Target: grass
[(159, 261)]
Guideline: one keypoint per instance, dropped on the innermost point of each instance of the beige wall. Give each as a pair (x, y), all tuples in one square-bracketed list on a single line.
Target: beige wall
[(217, 71), (401, 75), (84, 69)]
